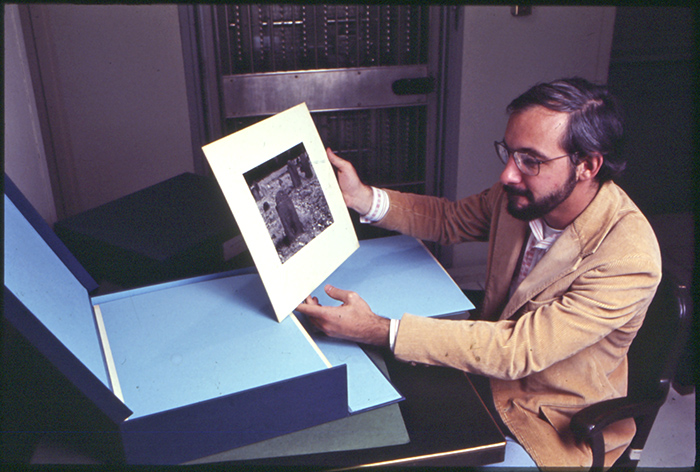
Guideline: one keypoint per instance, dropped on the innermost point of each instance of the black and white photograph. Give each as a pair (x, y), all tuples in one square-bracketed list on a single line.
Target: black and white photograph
[(290, 200), (283, 193)]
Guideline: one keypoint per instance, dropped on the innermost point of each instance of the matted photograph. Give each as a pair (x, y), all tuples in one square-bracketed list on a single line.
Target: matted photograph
[(283, 193)]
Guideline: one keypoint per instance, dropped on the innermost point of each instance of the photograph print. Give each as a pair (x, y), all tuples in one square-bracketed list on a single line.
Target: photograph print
[(290, 199)]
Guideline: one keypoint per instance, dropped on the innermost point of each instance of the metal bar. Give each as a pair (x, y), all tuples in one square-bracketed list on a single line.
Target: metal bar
[(337, 38), (241, 62), (400, 54), (247, 41), (314, 9), (279, 31), (347, 62), (271, 32), (225, 49), (233, 36), (419, 35), (388, 37), (363, 87), (231, 58), (380, 22), (284, 39), (325, 37), (358, 28), (251, 44), (369, 56), (293, 46)]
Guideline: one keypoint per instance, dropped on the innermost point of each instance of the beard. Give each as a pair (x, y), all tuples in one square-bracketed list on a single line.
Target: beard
[(538, 208)]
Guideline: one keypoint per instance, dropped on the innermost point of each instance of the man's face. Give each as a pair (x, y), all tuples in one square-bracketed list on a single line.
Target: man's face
[(538, 132)]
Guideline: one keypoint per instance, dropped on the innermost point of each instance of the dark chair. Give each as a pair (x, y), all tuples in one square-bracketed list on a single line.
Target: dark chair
[(653, 357)]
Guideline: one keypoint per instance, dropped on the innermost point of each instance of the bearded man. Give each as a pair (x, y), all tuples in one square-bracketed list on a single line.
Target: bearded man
[(572, 268)]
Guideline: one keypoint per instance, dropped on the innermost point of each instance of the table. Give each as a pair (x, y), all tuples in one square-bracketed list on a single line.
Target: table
[(447, 422)]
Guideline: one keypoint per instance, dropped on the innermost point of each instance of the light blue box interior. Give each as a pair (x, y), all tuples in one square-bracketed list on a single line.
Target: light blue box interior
[(188, 343)]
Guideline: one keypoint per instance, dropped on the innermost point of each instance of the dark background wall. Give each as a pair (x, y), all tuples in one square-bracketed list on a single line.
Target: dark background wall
[(652, 69)]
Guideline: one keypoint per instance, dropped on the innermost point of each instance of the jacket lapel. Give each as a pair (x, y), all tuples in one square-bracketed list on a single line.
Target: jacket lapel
[(561, 259), (579, 239)]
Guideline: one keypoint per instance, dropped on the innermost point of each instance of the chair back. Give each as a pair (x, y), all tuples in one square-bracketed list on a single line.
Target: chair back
[(656, 350)]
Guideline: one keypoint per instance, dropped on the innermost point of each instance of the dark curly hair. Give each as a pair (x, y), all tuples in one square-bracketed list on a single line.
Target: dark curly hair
[(595, 119)]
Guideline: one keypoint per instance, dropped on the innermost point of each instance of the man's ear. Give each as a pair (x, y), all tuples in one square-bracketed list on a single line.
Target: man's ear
[(589, 166)]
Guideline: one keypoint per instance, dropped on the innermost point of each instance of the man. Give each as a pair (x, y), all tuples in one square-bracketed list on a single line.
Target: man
[(572, 268)]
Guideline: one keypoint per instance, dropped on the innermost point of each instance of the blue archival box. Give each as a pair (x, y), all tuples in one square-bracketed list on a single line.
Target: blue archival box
[(199, 366), (181, 381)]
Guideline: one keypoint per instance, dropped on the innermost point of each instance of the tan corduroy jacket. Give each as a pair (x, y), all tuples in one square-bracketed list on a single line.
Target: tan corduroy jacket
[(560, 342)]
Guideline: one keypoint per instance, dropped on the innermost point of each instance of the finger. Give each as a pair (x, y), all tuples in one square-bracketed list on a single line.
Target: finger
[(311, 300), (311, 310)]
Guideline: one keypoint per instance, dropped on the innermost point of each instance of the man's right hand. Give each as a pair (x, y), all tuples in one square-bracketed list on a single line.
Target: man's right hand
[(353, 320), (357, 195)]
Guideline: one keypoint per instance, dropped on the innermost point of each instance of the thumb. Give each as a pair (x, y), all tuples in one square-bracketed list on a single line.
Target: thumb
[(337, 161), (338, 294)]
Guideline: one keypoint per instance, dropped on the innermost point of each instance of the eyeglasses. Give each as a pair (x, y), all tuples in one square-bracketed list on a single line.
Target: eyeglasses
[(528, 165)]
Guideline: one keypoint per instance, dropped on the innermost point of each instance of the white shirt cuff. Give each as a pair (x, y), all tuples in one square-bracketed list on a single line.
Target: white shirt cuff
[(393, 331), (379, 208)]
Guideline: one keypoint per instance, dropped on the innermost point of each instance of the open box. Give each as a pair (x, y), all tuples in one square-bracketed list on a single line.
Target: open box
[(198, 366)]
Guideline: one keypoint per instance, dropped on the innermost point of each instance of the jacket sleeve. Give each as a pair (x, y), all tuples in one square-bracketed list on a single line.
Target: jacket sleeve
[(609, 300), (440, 220)]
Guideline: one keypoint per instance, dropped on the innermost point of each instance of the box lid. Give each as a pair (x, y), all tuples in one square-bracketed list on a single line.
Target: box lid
[(45, 285), (159, 222)]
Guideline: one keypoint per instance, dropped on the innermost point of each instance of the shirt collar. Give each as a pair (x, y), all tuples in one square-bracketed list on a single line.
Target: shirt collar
[(544, 234)]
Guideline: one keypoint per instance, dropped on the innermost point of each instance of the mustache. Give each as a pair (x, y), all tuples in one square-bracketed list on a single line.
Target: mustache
[(512, 191)]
